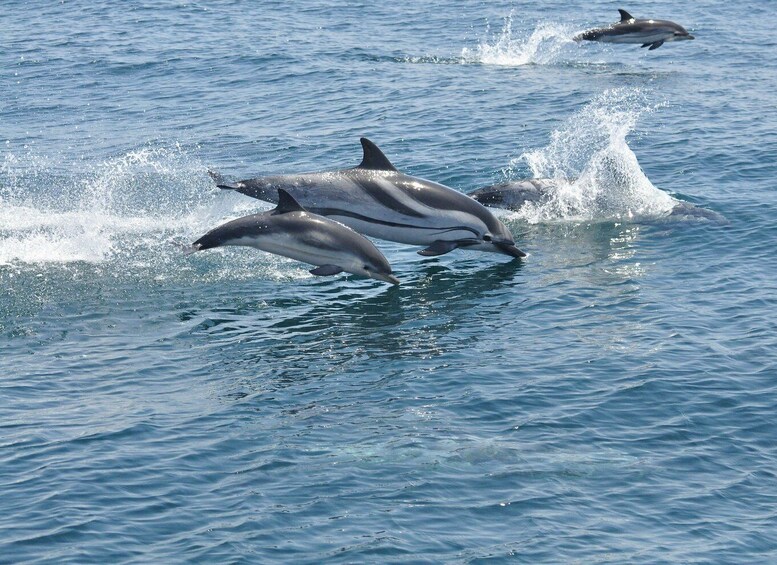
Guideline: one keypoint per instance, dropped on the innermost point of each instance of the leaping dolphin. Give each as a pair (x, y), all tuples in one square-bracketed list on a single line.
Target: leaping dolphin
[(291, 231), (651, 33), (379, 201), (512, 195)]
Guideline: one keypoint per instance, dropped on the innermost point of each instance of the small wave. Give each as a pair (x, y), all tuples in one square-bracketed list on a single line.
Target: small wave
[(410, 59), (543, 46), (427, 60), (30, 235), (591, 148)]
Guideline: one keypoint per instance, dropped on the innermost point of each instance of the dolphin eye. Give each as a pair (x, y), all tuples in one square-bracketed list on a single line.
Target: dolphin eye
[(486, 237), (367, 268)]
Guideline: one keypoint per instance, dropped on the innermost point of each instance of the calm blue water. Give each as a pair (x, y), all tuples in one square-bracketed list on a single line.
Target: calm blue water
[(612, 398)]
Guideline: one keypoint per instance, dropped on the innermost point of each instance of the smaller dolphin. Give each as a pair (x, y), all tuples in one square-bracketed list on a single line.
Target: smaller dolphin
[(291, 231), (512, 195), (651, 33)]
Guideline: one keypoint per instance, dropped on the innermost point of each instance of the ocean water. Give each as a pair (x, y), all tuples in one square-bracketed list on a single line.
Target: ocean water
[(611, 398)]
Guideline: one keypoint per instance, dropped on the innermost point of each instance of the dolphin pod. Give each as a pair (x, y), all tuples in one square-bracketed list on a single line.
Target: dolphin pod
[(320, 216), (648, 33), (377, 200), (291, 231)]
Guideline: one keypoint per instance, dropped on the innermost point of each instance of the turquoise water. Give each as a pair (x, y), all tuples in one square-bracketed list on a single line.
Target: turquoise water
[(611, 398)]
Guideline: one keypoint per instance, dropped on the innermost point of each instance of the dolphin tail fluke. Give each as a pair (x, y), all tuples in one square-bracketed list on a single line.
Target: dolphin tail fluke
[(221, 181), (186, 248), (589, 35)]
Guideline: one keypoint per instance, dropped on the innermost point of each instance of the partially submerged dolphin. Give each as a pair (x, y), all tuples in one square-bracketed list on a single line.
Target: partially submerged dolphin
[(651, 33), (513, 195), (291, 231), (377, 200)]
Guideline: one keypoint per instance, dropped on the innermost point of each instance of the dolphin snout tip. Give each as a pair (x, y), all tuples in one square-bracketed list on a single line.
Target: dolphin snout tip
[(511, 250), (389, 278)]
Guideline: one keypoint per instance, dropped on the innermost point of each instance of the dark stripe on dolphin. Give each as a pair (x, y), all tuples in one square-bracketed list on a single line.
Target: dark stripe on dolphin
[(379, 194), (355, 216), (242, 227), (448, 199)]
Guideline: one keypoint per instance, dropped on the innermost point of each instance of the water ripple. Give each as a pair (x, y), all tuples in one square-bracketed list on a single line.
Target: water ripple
[(610, 398)]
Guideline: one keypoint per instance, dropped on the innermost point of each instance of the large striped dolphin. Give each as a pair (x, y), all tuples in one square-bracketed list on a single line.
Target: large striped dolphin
[(377, 200), (651, 33), (291, 231)]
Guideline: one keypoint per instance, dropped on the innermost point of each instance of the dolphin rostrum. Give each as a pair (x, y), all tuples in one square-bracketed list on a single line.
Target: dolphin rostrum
[(291, 231), (651, 33), (512, 195), (379, 201)]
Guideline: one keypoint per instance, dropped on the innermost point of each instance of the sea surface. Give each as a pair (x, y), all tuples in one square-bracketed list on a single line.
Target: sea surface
[(612, 398)]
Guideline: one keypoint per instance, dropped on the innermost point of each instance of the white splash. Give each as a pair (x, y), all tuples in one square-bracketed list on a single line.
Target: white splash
[(135, 201), (598, 175), (543, 46)]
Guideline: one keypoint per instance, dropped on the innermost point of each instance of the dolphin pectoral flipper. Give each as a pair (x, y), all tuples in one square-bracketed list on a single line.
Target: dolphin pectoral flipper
[(439, 248), (645, 45), (326, 270), (217, 178), (656, 45)]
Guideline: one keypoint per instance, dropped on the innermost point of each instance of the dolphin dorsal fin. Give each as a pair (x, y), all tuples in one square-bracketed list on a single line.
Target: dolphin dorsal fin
[(625, 16), (374, 158), (286, 203)]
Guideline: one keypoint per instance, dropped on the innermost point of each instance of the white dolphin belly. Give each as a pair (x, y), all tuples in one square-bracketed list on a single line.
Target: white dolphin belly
[(637, 37), (289, 246)]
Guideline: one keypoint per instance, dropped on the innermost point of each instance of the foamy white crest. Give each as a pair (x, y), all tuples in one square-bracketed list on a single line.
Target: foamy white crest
[(542, 46), (598, 175), (138, 200)]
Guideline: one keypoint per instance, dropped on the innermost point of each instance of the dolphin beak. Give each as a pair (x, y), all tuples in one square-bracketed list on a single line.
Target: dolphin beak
[(386, 278), (509, 249), (690, 36)]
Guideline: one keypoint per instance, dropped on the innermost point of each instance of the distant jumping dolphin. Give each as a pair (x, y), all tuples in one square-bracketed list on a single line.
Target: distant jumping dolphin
[(514, 194), (379, 201), (630, 30), (291, 231)]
